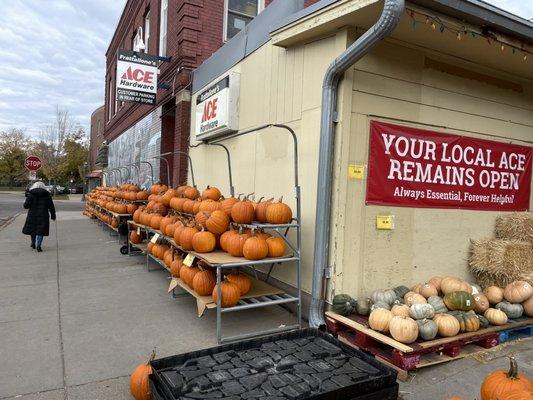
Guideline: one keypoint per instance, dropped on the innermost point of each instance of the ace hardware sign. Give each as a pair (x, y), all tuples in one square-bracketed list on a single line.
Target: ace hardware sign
[(411, 167), (136, 77)]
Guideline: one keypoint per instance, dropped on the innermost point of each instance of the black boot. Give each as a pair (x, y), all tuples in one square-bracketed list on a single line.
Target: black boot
[(32, 245), (39, 249)]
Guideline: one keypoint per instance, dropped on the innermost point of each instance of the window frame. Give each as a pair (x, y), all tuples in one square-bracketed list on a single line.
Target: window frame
[(163, 17), (260, 7), (146, 31)]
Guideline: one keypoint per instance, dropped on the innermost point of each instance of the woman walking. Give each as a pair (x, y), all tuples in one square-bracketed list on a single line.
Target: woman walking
[(38, 203)]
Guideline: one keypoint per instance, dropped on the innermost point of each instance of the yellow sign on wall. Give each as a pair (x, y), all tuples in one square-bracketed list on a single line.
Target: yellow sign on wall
[(356, 171), (385, 222)]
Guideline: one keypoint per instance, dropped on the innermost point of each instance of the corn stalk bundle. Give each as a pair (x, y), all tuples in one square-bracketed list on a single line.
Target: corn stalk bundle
[(517, 226)]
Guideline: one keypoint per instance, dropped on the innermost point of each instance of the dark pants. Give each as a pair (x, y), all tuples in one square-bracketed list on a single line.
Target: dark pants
[(37, 240)]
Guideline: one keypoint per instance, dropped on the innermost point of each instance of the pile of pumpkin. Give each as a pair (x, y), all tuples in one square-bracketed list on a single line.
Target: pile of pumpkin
[(201, 278), (207, 221), (443, 306), (106, 197), (102, 216)]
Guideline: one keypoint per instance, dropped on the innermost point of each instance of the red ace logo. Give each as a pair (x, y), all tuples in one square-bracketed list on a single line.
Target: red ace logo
[(210, 110), (138, 75)]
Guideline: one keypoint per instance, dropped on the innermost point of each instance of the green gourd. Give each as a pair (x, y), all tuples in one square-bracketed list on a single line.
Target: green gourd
[(343, 304), (427, 329), (512, 311), (388, 296), (363, 306), (468, 321), (483, 322), (380, 304), (459, 301), (421, 311), (437, 304), (401, 291)]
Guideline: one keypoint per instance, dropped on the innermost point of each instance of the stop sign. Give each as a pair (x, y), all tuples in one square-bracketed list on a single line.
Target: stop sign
[(33, 163)]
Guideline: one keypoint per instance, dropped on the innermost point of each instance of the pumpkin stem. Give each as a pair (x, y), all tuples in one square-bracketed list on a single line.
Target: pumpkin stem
[(152, 357), (513, 368)]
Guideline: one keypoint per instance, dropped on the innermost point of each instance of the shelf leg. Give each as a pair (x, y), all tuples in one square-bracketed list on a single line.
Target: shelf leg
[(219, 309)]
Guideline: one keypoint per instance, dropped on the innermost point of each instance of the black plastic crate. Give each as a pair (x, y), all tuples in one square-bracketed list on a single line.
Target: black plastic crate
[(302, 364)]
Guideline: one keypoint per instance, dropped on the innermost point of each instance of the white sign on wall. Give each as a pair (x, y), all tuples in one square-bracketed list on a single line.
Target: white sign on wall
[(217, 108), (136, 77)]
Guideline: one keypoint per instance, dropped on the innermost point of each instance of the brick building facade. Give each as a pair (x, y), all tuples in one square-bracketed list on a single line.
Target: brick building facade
[(96, 136), (194, 30)]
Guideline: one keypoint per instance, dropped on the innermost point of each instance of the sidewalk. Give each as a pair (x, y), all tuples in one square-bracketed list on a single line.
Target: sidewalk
[(76, 319)]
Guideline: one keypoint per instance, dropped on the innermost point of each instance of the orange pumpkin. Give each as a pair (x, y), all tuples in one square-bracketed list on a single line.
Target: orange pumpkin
[(225, 237), (155, 221), (212, 193), (227, 204), (187, 274), (204, 282), (201, 217), (131, 208), (235, 244), (188, 206), (142, 195), (150, 248), (217, 222), (243, 282), (191, 193), (278, 213), (177, 232), (519, 394), (176, 203), (186, 237), (169, 230), (276, 247), (255, 248), (139, 382), (175, 267), (208, 205), (230, 294), (243, 212), (137, 215), (203, 242), (260, 210), (169, 194), (498, 384), (134, 238)]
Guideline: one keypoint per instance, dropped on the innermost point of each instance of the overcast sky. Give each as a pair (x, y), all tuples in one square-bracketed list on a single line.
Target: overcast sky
[(53, 53)]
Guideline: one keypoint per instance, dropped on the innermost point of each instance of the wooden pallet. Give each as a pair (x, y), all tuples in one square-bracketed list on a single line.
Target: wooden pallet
[(354, 330), (515, 333)]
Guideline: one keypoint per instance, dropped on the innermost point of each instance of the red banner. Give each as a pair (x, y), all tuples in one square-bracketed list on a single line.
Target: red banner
[(411, 167)]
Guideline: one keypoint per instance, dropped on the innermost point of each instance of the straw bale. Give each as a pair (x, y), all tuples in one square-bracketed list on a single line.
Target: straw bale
[(499, 262), (517, 226)]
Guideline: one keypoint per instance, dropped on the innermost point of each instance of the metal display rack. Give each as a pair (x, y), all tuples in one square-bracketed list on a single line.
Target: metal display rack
[(222, 261)]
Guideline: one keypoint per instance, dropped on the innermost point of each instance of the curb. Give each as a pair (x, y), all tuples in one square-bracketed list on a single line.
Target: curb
[(8, 221)]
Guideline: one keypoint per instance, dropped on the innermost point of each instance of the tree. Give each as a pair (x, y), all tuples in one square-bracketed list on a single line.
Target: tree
[(13, 151), (60, 147)]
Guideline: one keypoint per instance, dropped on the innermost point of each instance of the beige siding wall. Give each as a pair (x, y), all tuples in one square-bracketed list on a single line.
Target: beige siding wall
[(277, 86), (392, 84)]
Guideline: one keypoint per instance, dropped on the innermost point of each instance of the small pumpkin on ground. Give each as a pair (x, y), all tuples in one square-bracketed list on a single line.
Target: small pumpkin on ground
[(343, 304), (379, 319), (403, 329), (139, 382), (519, 394), (499, 384)]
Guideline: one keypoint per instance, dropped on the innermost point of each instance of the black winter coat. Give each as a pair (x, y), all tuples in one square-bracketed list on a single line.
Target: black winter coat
[(38, 203)]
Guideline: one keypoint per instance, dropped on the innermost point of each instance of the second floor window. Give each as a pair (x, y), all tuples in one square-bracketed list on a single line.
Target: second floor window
[(146, 31), (239, 14), (111, 100), (163, 28)]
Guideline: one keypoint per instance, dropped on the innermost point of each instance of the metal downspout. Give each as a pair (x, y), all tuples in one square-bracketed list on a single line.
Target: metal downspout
[(390, 17)]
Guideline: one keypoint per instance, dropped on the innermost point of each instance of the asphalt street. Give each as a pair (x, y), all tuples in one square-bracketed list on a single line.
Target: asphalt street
[(11, 203)]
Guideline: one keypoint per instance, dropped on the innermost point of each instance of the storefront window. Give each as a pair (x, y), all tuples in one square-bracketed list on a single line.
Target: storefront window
[(239, 14)]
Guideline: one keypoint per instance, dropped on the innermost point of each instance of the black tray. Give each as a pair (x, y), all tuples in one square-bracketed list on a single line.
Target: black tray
[(379, 383)]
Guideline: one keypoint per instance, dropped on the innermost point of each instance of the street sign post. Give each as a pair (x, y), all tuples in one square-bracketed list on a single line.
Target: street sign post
[(33, 163)]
